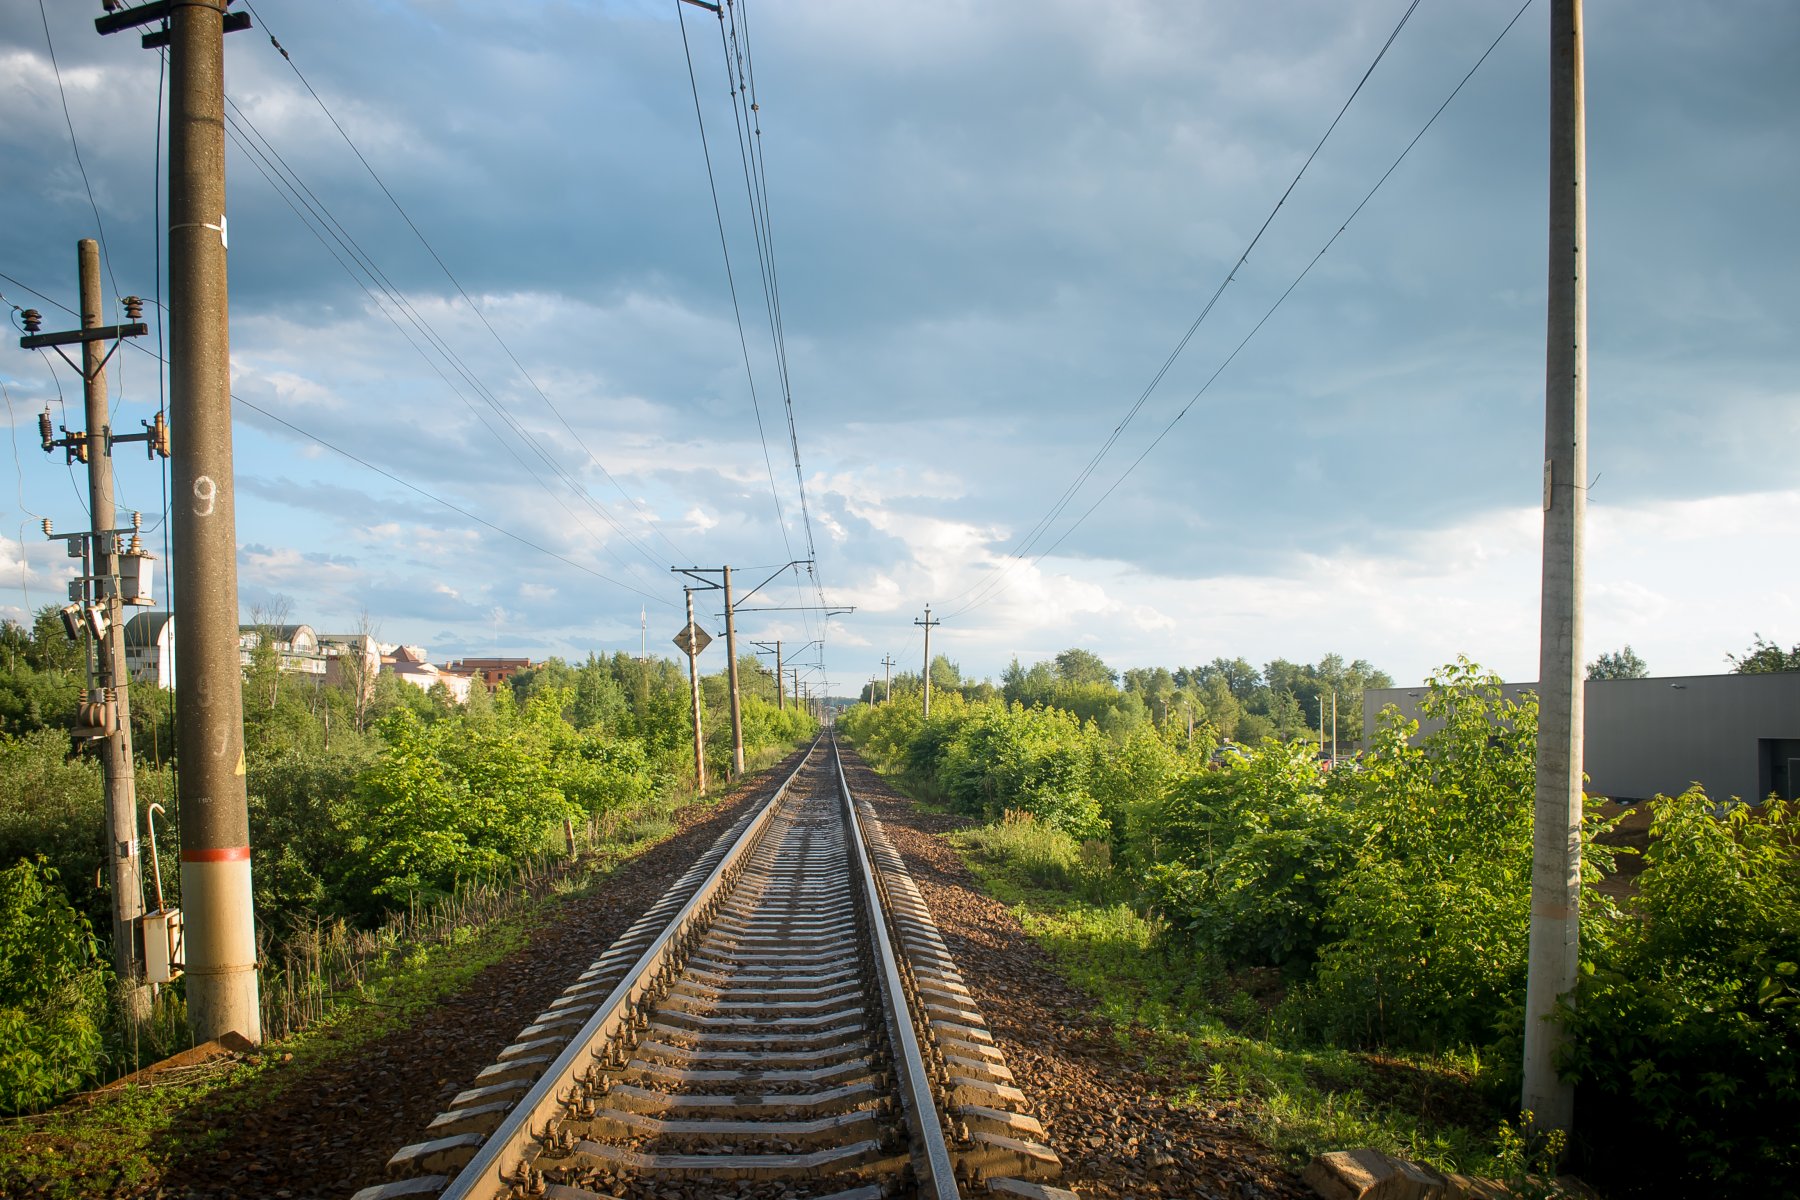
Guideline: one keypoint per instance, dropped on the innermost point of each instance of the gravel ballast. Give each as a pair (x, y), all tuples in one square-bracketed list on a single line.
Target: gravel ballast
[(1104, 1113), (330, 1130)]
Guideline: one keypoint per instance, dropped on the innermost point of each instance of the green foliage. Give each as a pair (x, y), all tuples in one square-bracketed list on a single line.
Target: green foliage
[(1251, 853), (1042, 855), (1429, 924), (1765, 657), (52, 991), (1687, 1029), (51, 805), (1395, 900), (1618, 664)]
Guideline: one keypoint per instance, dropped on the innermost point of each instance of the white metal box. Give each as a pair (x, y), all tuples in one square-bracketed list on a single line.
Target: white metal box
[(162, 944)]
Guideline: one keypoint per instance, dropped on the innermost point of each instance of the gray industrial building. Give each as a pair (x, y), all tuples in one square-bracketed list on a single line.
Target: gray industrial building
[(1735, 735)]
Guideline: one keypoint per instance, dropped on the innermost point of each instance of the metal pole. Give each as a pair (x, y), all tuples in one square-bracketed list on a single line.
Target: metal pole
[(694, 686), (780, 686), (115, 756), (737, 712), (215, 822), (1556, 823)]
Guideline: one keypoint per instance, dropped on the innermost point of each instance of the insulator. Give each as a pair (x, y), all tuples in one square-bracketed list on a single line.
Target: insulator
[(34, 320), (134, 307), (45, 433)]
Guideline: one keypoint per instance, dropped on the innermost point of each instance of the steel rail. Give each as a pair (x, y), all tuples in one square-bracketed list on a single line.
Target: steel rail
[(932, 1160), (496, 1164)]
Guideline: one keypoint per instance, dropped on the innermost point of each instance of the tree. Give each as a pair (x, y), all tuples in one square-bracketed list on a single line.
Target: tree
[(265, 660), (1076, 665), (944, 673), (1765, 658), (1618, 664)]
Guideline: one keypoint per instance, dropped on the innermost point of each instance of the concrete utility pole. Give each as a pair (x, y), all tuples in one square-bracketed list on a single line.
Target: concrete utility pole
[(887, 675), (114, 677), (98, 602), (774, 648), (928, 623), (694, 687), (215, 820), (737, 711), (220, 934), (1556, 822)]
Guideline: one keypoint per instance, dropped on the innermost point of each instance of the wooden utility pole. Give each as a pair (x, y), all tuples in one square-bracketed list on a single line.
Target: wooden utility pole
[(928, 623), (1556, 821), (887, 675), (694, 688)]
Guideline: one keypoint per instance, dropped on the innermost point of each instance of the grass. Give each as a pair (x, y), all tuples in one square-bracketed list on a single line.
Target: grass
[(123, 1138), (1210, 1035)]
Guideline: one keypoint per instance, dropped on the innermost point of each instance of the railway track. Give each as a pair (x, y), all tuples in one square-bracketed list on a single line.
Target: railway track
[(785, 1022)]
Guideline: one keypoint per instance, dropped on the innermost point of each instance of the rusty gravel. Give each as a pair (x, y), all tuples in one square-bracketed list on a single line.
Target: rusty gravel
[(331, 1132), (1106, 1115)]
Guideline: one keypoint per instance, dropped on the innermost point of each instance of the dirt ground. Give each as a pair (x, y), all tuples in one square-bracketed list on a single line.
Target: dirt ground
[(332, 1130)]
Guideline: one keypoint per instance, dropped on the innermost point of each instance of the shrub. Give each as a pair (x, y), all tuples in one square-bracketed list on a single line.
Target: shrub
[(1252, 852), (1428, 927), (1687, 1030), (53, 996)]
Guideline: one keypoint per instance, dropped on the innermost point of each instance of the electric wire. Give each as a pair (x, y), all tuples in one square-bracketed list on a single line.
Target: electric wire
[(1042, 527), (653, 524), (735, 52), (75, 145), (282, 176), (383, 472), (731, 281), (1370, 195), (260, 153), (737, 310)]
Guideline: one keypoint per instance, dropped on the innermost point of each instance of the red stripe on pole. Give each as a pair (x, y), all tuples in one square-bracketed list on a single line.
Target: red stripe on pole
[(219, 854)]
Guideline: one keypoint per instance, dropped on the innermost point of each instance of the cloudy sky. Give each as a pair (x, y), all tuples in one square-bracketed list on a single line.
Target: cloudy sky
[(991, 224)]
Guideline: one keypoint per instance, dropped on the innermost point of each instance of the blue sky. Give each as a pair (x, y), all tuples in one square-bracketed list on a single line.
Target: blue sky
[(991, 225)]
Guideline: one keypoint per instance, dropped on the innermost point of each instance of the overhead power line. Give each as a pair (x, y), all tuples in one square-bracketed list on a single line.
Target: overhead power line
[(318, 219), (382, 471), (731, 280), (1042, 527), (593, 458), (1313, 262)]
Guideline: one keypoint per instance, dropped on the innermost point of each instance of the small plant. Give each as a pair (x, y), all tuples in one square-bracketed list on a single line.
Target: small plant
[(1526, 1158)]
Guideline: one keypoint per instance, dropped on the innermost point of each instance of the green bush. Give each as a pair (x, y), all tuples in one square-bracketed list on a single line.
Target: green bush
[(1251, 854), (52, 804), (1686, 1033), (1428, 926), (53, 998)]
